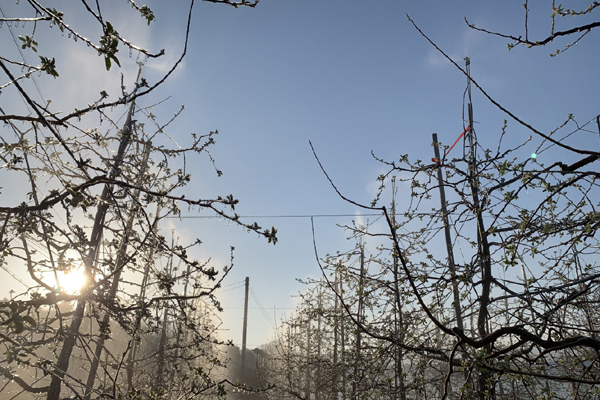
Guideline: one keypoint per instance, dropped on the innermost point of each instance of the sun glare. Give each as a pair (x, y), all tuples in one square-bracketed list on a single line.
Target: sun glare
[(72, 282)]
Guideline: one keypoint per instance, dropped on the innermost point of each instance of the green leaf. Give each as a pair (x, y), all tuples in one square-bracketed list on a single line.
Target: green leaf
[(29, 320), (19, 327), (147, 13), (49, 66)]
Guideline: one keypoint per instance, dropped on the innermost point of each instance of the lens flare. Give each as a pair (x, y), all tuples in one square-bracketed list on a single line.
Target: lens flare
[(72, 282)]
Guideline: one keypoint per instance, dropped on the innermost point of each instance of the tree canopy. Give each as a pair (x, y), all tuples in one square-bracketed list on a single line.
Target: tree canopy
[(486, 285), (89, 188)]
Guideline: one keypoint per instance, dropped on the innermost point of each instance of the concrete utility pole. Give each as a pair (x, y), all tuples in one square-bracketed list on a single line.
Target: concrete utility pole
[(120, 265), (336, 327), (342, 338), (307, 367), (449, 250), (361, 282), (245, 329), (399, 386), (319, 372)]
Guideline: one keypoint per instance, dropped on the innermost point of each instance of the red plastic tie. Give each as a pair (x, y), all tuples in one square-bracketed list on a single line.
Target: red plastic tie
[(451, 147)]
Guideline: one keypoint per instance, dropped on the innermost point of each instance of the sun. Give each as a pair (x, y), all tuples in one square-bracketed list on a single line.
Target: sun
[(71, 282)]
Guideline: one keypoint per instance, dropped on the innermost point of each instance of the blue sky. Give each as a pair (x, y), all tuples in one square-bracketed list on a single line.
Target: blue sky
[(350, 76)]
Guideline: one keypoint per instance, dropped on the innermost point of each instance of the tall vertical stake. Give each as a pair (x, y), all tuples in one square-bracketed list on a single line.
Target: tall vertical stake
[(119, 265), (342, 337), (245, 329), (361, 280), (62, 363), (399, 386), (336, 327), (318, 388), (486, 384), (451, 265), (308, 366), (449, 250)]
